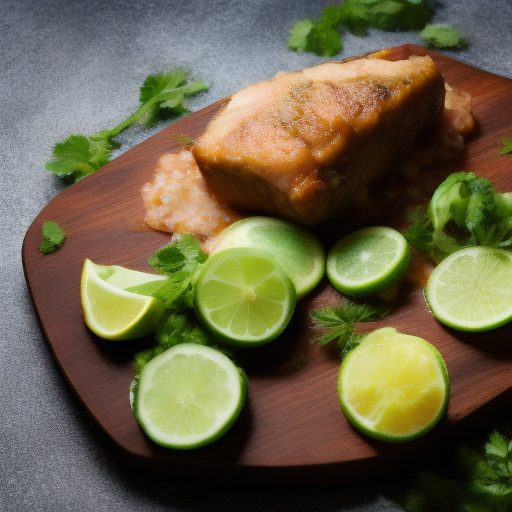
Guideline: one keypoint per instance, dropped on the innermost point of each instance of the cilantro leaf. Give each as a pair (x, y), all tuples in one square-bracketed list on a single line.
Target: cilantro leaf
[(340, 322), (506, 146), (443, 37), (180, 261), (324, 40), (298, 35), (53, 237), (182, 254), (161, 96), (79, 156)]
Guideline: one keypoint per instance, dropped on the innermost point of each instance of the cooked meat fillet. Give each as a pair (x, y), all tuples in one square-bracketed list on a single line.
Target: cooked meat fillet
[(304, 145)]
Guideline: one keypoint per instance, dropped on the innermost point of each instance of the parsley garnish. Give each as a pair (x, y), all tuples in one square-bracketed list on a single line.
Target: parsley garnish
[(53, 237), (506, 146), (443, 37), (477, 482), (340, 323), (322, 36), (161, 97)]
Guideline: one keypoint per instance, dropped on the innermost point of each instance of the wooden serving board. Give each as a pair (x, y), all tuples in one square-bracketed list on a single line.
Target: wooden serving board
[(291, 427)]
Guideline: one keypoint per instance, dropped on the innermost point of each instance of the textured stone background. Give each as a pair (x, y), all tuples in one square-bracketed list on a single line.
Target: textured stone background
[(76, 67)]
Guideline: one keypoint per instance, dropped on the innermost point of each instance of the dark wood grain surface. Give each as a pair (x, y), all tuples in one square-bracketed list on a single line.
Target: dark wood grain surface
[(291, 427)]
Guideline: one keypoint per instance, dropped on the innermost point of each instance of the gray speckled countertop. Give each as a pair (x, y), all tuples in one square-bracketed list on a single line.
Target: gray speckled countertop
[(70, 66)]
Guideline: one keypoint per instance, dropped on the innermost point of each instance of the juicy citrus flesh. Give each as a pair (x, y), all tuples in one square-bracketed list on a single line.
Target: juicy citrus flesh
[(244, 296), (189, 396), (368, 261), (393, 387), (296, 248), (124, 278), (471, 289), (113, 313)]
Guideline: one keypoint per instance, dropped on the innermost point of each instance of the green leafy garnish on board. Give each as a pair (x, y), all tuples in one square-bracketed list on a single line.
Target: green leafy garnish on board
[(478, 481), (180, 261), (464, 211), (506, 144), (340, 323), (161, 97), (53, 237), (443, 37), (175, 328), (322, 35)]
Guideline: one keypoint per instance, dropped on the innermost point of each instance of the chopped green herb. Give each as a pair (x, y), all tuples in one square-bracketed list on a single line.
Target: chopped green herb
[(53, 237), (464, 211), (476, 482), (161, 97), (181, 261), (506, 146), (322, 35), (340, 322), (443, 37), (176, 328)]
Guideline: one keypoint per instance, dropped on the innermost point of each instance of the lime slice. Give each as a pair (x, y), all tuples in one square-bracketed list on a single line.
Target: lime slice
[(244, 297), (368, 261), (393, 387), (296, 248), (113, 313), (471, 290), (189, 396)]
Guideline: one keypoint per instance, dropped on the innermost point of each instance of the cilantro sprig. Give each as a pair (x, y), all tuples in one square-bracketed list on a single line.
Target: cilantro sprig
[(464, 211), (53, 237), (180, 261), (162, 96), (323, 35), (479, 481), (340, 322)]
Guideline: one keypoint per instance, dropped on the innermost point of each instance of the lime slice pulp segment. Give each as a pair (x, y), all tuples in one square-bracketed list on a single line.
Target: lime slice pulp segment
[(189, 396), (471, 290), (296, 248), (368, 261), (393, 387), (244, 296), (113, 313)]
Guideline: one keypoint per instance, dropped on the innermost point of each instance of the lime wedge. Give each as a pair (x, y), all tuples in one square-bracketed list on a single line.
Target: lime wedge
[(189, 396), (130, 280), (471, 290), (368, 261), (244, 297), (113, 313), (393, 387), (296, 248)]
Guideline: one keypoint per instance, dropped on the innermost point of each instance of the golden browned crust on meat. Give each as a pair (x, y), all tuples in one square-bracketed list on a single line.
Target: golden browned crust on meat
[(305, 145)]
